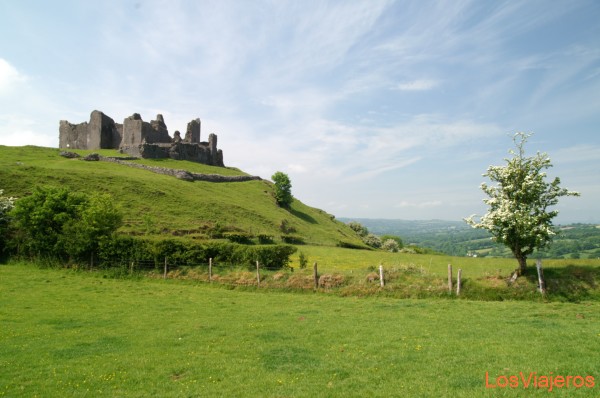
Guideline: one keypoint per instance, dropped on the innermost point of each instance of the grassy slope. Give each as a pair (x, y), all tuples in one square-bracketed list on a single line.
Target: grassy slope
[(163, 204), (76, 334)]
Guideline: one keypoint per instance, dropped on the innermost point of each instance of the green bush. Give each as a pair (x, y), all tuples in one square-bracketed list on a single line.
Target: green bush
[(238, 237), (265, 239), (57, 223), (390, 245), (292, 239), (274, 257), (6, 205), (373, 240), (120, 248)]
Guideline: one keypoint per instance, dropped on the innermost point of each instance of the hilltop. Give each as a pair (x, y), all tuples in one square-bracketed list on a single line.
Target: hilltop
[(162, 205)]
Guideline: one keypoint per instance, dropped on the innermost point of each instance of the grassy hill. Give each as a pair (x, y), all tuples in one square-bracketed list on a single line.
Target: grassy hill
[(159, 205)]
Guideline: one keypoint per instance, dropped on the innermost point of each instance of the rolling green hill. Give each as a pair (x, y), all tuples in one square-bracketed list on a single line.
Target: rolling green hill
[(159, 205)]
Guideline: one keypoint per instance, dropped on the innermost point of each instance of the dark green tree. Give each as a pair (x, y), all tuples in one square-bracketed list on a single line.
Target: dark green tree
[(283, 189), (41, 217), (97, 220), (54, 222)]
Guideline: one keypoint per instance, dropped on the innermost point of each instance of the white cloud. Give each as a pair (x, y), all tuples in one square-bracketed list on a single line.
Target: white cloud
[(576, 154), (16, 131), (297, 168), (9, 76), (418, 85), (326, 91)]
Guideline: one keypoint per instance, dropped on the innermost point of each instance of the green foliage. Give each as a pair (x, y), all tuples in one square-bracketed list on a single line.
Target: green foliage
[(273, 257), (390, 245), (96, 221), (41, 219), (54, 222), (121, 248), (265, 239), (395, 238), (360, 229), (6, 205), (292, 239), (125, 249), (283, 189), (373, 241), (518, 214), (238, 237)]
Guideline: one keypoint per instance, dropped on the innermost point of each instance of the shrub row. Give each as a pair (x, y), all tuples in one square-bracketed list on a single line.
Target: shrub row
[(120, 248)]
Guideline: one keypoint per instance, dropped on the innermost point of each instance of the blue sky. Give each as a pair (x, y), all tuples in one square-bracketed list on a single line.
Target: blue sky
[(380, 109)]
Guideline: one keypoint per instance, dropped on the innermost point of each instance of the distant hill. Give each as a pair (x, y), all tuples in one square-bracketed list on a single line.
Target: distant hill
[(459, 239), (160, 205)]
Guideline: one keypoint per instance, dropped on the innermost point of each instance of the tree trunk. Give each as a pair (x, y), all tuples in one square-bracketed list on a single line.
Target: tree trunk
[(522, 263)]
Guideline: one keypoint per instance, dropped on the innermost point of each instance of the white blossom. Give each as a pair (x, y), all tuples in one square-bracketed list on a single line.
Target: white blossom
[(518, 214)]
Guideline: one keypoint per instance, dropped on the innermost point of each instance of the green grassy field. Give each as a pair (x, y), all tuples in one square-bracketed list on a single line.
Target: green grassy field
[(159, 205), (66, 333)]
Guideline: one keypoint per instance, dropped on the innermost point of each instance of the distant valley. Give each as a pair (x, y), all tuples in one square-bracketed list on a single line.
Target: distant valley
[(458, 239)]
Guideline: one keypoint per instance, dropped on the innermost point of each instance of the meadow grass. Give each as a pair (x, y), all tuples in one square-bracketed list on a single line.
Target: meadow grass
[(425, 275), (67, 333), (158, 205)]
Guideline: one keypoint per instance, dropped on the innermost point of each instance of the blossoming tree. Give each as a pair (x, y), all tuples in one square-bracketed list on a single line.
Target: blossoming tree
[(519, 216)]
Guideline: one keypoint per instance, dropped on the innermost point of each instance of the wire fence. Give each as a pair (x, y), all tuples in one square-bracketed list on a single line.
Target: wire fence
[(258, 275)]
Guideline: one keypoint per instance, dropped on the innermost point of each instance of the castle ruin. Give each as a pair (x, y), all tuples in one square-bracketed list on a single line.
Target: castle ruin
[(140, 139)]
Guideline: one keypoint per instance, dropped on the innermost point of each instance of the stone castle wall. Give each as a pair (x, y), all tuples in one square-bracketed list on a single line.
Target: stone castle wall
[(141, 139)]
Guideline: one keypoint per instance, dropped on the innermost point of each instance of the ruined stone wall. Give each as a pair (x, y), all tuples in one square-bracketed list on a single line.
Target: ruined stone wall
[(136, 133), (141, 139), (182, 174), (72, 136), (100, 133), (192, 134)]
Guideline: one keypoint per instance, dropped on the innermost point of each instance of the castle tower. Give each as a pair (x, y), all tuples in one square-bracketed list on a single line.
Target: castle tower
[(192, 134)]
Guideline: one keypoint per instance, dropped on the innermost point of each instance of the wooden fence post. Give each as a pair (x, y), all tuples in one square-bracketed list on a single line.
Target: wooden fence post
[(257, 273), (316, 275), (131, 269), (210, 269), (458, 281), (541, 281), (165, 273), (381, 281), (449, 278)]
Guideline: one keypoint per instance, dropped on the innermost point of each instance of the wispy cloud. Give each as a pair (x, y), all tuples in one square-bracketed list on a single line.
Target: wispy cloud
[(417, 85), (577, 154), (328, 91)]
